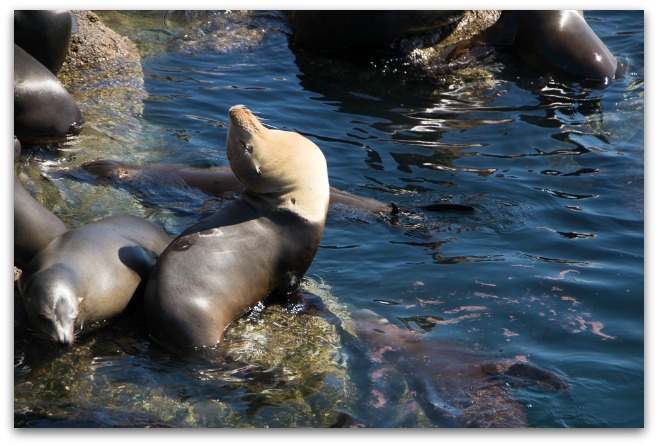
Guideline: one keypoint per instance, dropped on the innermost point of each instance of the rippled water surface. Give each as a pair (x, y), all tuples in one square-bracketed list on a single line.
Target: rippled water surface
[(547, 269)]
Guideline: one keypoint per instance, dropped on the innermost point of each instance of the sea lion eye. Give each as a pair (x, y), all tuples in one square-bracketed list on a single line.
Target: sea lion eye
[(248, 148)]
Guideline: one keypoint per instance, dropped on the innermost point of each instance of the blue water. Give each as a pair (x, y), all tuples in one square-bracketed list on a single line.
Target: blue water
[(550, 265)]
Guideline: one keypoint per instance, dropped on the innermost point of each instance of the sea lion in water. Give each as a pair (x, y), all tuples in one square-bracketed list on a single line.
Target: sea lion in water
[(220, 180), (42, 106), (259, 244), (455, 387), (34, 225), (560, 41), (215, 181), (88, 275)]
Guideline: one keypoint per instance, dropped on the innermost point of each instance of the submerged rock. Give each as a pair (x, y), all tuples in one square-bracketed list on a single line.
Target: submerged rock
[(103, 72)]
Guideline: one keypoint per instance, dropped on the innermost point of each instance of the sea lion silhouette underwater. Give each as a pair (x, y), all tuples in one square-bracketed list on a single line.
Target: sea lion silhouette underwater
[(454, 386), (220, 181)]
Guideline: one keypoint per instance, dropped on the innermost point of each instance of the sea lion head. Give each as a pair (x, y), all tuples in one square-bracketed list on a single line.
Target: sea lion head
[(281, 168), (52, 305)]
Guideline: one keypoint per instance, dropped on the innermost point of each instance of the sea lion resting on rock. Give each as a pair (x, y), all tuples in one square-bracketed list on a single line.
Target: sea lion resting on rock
[(259, 244), (42, 106), (88, 275)]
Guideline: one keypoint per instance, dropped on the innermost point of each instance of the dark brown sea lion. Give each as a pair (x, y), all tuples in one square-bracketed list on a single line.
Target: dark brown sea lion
[(88, 275), (214, 181), (261, 243)]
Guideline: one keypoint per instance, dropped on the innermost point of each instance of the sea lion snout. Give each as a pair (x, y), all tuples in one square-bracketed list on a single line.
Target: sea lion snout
[(243, 118)]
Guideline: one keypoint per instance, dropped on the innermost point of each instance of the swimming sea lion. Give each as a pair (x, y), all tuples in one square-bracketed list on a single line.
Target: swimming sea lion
[(220, 180), (261, 243), (34, 225), (88, 275), (215, 181), (42, 106)]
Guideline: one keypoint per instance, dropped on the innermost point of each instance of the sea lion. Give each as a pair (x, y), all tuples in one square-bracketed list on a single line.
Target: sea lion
[(560, 41), (261, 243), (88, 275), (42, 106), (45, 35), (214, 181), (34, 225), (455, 386), (220, 180)]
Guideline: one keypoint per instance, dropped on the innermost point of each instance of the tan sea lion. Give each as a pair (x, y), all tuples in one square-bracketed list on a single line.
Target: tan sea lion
[(88, 275), (259, 244)]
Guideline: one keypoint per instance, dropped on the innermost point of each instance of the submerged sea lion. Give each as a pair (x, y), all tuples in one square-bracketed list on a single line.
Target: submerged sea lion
[(261, 243), (455, 387), (88, 275)]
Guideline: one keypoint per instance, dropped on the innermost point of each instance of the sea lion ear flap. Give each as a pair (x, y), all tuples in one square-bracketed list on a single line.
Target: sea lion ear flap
[(80, 299)]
